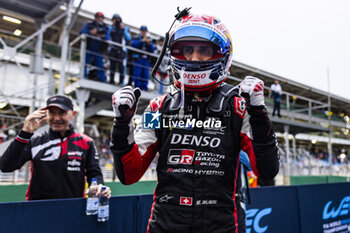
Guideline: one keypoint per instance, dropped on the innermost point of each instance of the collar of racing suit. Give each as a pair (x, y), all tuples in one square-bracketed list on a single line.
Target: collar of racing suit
[(215, 100)]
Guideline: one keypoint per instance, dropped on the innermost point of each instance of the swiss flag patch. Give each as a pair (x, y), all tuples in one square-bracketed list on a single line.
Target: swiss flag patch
[(239, 106), (186, 201)]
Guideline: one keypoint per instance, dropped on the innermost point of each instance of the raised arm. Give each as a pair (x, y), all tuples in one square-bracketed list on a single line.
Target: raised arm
[(257, 135), (132, 153), (18, 151)]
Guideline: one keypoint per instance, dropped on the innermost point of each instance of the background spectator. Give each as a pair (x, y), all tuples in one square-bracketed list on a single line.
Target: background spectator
[(61, 157), (162, 74), (95, 47), (276, 95), (141, 61), (3, 137), (117, 31)]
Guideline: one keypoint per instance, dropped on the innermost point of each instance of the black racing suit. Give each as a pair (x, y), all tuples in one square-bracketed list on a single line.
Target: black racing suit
[(58, 164), (197, 166)]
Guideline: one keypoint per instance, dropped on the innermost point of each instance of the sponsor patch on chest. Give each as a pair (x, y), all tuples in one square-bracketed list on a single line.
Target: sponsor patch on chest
[(74, 165)]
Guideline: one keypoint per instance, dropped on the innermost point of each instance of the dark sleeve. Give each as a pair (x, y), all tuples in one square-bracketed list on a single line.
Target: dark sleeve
[(106, 36), (121, 131), (264, 142), (136, 43), (120, 145), (85, 29), (93, 169), (17, 153), (150, 48)]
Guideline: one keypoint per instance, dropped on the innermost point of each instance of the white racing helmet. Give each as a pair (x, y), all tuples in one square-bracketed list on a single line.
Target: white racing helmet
[(212, 42)]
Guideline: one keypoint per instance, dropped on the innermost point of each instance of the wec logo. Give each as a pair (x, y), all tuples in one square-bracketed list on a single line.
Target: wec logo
[(343, 209), (253, 220)]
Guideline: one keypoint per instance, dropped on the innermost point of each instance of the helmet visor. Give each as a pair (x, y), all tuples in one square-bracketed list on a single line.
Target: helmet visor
[(196, 51), (202, 33)]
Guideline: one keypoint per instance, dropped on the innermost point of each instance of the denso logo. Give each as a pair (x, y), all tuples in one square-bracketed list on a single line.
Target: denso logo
[(253, 220), (188, 139), (343, 209), (195, 76), (180, 156)]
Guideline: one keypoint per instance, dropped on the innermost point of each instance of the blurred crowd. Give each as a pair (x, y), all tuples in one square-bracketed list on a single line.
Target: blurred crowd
[(339, 155), (102, 146), (7, 133)]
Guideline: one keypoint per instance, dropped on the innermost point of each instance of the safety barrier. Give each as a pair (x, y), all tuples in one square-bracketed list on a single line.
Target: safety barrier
[(291, 209), (16, 193)]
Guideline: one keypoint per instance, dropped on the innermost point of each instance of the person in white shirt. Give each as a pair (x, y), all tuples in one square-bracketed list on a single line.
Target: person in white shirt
[(276, 95)]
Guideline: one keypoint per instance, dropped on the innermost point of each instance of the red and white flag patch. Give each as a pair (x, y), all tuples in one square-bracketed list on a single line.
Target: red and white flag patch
[(186, 201)]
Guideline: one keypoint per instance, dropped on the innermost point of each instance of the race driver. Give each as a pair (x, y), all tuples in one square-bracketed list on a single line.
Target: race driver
[(201, 130)]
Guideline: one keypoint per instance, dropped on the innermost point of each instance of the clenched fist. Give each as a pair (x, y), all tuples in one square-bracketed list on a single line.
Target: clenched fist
[(252, 89), (124, 102)]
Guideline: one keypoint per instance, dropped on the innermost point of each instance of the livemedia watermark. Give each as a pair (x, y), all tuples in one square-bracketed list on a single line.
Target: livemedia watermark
[(157, 120)]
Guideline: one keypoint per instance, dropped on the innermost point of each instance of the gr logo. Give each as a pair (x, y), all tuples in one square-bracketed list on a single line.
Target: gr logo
[(180, 156), (254, 216), (151, 120)]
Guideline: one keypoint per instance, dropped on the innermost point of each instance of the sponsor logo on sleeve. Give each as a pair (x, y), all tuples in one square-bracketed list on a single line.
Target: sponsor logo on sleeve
[(239, 106)]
